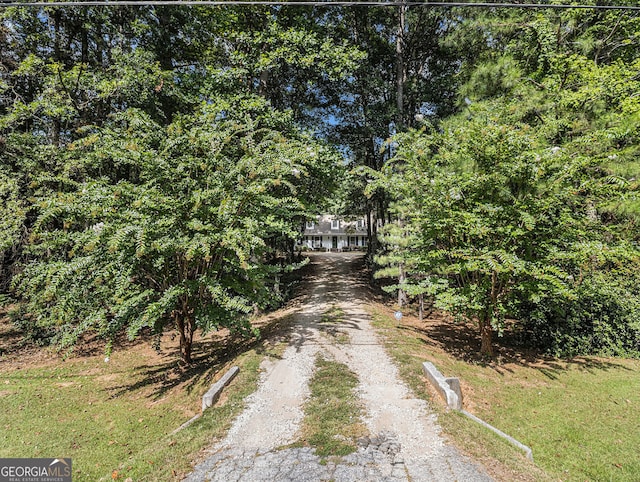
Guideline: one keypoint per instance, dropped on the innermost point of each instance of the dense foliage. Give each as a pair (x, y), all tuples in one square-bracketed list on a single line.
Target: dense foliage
[(185, 240), (524, 205), (146, 187), (155, 161)]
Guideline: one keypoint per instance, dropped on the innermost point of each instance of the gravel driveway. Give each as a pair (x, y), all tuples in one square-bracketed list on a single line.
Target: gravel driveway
[(404, 444)]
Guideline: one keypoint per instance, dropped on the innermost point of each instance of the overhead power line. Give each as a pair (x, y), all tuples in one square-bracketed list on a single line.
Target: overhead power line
[(337, 3)]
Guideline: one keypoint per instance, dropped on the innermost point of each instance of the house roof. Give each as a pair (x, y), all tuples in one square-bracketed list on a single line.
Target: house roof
[(323, 226)]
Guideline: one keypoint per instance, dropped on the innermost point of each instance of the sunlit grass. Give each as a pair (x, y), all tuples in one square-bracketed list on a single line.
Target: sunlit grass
[(579, 416), (115, 419), (172, 456), (93, 412), (74, 409)]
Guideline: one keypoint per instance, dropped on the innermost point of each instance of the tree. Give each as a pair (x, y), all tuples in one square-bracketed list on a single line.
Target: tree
[(94, 98), (525, 201), (511, 207), (128, 211), (185, 242)]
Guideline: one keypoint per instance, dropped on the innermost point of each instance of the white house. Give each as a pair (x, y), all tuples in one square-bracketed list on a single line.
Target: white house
[(333, 233)]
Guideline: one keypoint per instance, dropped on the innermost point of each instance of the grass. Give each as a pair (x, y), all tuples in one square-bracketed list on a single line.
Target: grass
[(331, 320), (333, 316), (332, 422), (579, 416), (115, 419), (71, 410), (172, 456)]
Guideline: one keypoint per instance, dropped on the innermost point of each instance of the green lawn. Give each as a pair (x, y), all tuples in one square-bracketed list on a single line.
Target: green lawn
[(82, 409), (115, 419), (579, 416), (580, 419)]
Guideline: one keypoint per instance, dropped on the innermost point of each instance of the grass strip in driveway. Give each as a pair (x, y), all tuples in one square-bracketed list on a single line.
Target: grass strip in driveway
[(332, 422), (330, 324)]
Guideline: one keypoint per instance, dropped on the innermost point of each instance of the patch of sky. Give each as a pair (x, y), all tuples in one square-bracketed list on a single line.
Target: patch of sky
[(428, 109), (491, 41), (347, 99)]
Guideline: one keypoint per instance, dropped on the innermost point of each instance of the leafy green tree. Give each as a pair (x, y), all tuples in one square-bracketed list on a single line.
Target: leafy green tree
[(526, 201), (496, 216), (93, 99), (181, 242), (66, 72), (12, 214)]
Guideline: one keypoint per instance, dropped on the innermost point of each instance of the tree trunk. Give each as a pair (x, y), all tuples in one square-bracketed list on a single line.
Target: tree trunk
[(290, 250), (165, 57), (56, 127), (84, 38), (403, 299), (486, 330), (486, 337), (57, 20), (400, 67), (421, 306), (263, 82), (402, 294), (374, 234), (276, 285), (184, 325), (369, 232)]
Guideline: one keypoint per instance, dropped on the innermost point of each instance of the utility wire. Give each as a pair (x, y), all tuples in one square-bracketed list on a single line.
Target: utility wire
[(303, 3)]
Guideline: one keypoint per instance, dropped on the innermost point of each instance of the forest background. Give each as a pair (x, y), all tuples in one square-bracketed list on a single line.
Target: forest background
[(157, 164)]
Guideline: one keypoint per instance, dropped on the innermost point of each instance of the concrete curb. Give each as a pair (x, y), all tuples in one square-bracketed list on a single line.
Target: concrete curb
[(211, 396), (186, 424), (527, 451), (214, 392), (449, 389)]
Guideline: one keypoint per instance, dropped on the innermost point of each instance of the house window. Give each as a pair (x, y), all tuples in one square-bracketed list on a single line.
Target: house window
[(360, 224), (310, 224), (364, 240), (335, 224)]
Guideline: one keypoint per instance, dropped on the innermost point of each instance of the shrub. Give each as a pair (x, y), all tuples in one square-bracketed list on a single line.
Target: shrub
[(603, 319)]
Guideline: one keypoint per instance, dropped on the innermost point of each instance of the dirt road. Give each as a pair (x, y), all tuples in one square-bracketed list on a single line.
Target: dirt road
[(404, 444)]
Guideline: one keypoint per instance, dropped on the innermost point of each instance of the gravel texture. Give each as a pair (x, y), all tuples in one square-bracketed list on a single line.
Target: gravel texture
[(404, 443)]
